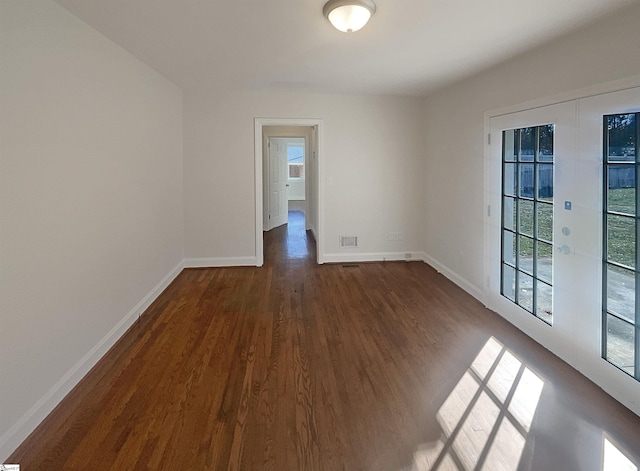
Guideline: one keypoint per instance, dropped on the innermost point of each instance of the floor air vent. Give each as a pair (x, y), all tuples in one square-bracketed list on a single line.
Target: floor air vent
[(348, 241)]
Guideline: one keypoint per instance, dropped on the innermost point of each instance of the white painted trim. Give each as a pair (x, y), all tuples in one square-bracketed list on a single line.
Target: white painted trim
[(19, 431), (373, 257), (486, 200), (320, 181), (259, 255), (212, 262), (313, 233), (460, 281), (259, 123), (599, 89)]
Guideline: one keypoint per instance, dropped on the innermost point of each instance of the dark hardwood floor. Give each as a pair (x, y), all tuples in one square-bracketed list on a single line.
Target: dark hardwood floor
[(296, 366)]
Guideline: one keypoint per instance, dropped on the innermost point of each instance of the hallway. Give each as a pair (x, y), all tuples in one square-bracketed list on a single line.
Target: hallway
[(289, 242)]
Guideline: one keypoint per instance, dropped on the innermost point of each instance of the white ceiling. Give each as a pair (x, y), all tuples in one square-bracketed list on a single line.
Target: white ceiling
[(408, 48)]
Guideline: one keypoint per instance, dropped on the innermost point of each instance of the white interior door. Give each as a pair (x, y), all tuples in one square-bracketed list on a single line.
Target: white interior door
[(278, 207)]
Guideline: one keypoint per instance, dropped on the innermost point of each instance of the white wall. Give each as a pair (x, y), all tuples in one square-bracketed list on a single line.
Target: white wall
[(454, 130), (372, 152), (91, 204)]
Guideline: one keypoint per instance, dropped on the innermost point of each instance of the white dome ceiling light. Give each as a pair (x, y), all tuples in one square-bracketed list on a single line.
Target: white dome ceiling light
[(349, 15)]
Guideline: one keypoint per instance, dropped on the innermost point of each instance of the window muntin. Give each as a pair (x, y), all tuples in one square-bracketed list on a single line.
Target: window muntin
[(527, 219), (621, 314)]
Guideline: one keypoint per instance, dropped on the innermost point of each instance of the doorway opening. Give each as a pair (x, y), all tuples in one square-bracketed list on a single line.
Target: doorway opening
[(289, 198), (285, 194), (284, 174)]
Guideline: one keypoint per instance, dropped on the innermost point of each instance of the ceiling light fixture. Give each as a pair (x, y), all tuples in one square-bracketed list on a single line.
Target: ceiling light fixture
[(349, 15)]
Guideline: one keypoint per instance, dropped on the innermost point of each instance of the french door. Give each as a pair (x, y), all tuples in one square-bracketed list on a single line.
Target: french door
[(562, 232)]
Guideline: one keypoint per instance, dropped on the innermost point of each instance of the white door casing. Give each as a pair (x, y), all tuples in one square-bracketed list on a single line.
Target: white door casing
[(278, 206), (316, 175)]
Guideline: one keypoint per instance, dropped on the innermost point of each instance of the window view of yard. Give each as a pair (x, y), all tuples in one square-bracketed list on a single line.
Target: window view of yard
[(527, 236), (527, 231), (620, 342)]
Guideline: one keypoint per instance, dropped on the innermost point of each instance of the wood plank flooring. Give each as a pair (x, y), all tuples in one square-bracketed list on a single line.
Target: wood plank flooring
[(296, 366)]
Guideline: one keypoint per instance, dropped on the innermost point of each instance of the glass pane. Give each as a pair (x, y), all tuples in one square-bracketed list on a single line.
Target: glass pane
[(509, 282), (296, 171), (510, 150), (526, 180), (525, 254), (510, 179), (509, 248), (531, 181), (527, 144), (544, 302), (545, 182), (620, 340), (525, 292), (509, 214), (621, 292), (544, 262), (622, 194), (544, 215), (295, 154), (622, 137), (525, 208), (545, 146), (621, 240)]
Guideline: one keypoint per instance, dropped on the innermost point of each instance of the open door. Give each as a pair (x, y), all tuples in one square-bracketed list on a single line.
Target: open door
[(278, 206)]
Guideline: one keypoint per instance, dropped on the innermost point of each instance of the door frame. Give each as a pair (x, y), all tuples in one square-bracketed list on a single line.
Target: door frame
[(259, 123)]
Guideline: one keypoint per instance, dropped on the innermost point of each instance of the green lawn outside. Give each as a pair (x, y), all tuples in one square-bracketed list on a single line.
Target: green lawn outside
[(621, 228), (621, 232)]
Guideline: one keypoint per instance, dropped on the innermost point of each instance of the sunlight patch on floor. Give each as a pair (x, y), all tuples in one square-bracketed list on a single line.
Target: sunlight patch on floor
[(614, 459), (487, 417)]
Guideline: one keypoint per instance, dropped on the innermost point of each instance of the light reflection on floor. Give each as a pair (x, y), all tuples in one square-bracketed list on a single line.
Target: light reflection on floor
[(486, 418), (296, 242)]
